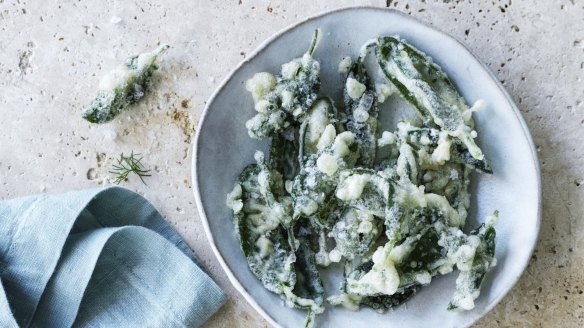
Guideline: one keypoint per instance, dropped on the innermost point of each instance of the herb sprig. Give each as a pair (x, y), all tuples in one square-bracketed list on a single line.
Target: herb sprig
[(129, 164)]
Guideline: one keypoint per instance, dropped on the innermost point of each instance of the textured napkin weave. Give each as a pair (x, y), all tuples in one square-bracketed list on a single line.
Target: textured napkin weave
[(99, 258)]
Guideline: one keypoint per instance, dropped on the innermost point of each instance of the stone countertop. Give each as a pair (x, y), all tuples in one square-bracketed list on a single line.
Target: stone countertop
[(52, 56)]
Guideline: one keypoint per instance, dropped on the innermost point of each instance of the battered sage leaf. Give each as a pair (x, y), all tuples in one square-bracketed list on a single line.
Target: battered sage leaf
[(282, 101), (308, 282), (426, 157), (262, 214), (472, 273), (354, 234), (361, 108), (123, 86), (379, 303), (365, 189), (284, 152), (427, 88), (314, 186), (319, 128), (461, 155), (263, 221)]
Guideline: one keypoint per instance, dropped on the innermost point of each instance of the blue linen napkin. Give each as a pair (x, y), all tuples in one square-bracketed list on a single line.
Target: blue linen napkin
[(99, 258)]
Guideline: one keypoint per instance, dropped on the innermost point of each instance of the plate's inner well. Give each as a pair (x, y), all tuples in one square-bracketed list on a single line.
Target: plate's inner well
[(223, 149)]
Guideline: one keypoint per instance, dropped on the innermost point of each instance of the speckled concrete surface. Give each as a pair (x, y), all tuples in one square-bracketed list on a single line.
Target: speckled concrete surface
[(52, 55)]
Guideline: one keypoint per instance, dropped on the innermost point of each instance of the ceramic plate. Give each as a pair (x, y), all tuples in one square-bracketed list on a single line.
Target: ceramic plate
[(223, 149)]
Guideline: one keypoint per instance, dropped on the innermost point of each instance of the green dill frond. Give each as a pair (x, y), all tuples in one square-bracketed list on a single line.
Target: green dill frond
[(127, 165)]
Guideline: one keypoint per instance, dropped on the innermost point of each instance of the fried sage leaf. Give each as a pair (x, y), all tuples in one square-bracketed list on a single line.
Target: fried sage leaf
[(382, 303), (472, 273), (319, 128), (308, 282), (439, 146), (283, 101), (284, 152), (379, 303), (123, 87), (411, 210), (314, 186), (263, 214), (365, 189), (426, 157), (361, 108), (354, 234), (430, 242), (427, 88)]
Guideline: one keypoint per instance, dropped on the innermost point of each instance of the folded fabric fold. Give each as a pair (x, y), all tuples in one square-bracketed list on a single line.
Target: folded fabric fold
[(101, 257)]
